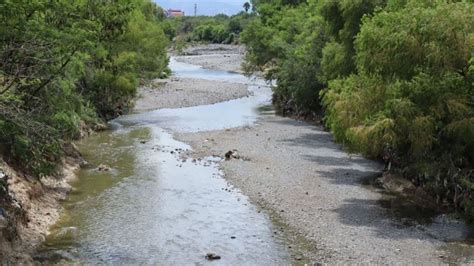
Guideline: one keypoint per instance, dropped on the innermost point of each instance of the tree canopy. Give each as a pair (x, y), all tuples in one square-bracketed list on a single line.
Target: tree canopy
[(392, 79), (64, 65)]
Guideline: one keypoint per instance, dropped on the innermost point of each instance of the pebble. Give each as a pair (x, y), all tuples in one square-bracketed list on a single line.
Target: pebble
[(212, 256), (103, 168)]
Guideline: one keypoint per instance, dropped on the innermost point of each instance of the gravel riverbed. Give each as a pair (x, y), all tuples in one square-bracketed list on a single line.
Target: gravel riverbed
[(185, 92), (296, 172), (215, 56)]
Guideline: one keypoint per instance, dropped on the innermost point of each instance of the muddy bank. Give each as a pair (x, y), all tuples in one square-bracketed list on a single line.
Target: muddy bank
[(32, 207), (297, 172), (215, 56), (184, 92)]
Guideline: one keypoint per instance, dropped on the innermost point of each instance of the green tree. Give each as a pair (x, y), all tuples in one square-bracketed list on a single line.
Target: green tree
[(343, 19), (63, 64), (246, 7), (412, 101)]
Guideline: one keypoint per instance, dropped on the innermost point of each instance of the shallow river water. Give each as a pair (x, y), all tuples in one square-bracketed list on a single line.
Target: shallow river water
[(153, 207)]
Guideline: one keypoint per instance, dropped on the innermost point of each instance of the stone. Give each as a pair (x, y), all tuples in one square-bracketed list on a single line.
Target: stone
[(212, 256), (232, 155), (103, 168)]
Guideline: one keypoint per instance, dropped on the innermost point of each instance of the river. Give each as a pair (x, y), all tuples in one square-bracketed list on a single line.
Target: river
[(156, 207)]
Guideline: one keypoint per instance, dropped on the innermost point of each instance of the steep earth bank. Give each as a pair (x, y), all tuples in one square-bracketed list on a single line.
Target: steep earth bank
[(31, 207)]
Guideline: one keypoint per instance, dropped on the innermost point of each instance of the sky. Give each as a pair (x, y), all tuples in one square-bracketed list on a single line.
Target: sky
[(204, 7)]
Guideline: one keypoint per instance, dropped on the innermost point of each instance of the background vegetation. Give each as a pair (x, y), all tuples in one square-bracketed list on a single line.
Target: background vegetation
[(67, 65), (221, 29), (392, 79)]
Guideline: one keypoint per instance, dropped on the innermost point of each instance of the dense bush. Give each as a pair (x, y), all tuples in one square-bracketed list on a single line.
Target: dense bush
[(279, 43), (217, 29), (64, 64), (394, 79), (210, 33), (412, 100)]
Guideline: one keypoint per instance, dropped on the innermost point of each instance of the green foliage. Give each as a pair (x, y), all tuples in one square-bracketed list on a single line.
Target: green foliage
[(412, 100), (210, 33), (343, 22), (217, 29), (66, 63), (298, 91), (286, 43), (394, 78)]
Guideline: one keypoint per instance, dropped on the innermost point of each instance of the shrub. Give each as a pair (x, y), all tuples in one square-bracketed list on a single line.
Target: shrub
[(68, 62), (412, 102)]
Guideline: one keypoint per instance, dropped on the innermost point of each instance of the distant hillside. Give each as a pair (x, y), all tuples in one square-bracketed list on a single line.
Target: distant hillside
[(205, 7)]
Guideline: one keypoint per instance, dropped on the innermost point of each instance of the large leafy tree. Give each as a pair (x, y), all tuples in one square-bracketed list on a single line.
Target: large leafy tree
[(64, 63), (395, 76), (412, 101)]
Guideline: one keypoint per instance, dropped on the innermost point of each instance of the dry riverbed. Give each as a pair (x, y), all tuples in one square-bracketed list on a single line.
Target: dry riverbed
[(215, 56), (184, 92), (296, 172)]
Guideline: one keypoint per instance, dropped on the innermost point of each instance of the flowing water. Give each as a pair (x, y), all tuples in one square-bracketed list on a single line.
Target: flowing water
[(154, 207)]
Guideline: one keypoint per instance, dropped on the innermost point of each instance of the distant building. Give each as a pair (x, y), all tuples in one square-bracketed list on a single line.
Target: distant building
[(174, 13)]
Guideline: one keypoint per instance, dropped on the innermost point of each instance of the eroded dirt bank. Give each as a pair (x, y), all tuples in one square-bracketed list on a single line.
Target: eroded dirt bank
[(34, 205)]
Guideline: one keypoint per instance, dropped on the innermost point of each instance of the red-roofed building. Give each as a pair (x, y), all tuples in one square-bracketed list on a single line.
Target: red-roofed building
[(174, 13)]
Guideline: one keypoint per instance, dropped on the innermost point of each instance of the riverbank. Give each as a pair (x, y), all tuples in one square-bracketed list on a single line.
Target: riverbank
[(295, 171), (40, 204), (34, 206)]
